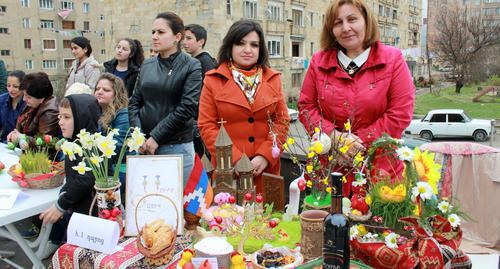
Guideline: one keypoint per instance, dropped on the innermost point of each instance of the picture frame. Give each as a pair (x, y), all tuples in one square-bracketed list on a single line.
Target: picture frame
[(153, 174)]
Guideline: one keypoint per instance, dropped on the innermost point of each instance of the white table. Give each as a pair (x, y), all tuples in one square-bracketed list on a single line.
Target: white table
[(38, 201)]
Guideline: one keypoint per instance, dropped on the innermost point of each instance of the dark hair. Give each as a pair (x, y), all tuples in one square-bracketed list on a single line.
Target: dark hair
[(83, 43), (235, 34), (198, 31), (37, 85), (18, 74), (136, 51), (174, 22)]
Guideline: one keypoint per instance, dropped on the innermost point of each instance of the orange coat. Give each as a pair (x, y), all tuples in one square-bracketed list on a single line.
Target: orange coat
[(247, 125)]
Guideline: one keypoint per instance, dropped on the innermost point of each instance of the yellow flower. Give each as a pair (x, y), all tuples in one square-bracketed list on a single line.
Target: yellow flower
[(316, 129), (310, 154), (344, 179), (344, 149), (290, 141), (359, 158), (427, 169), (81, 168), (329, 189), (309, 168), (347, 125), (325, 180), (96, 160), (368, 199), (330, 158), (309, 184), (285, 146), (317, 147), (362, 230)]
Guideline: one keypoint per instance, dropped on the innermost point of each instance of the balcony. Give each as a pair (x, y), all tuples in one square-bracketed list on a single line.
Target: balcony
[(297, 63), (299, 2), (276, 27), (413, 26), (297, 31), (413, 9)]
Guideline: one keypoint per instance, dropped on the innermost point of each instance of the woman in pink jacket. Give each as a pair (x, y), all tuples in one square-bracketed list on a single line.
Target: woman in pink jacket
[(356, 78)]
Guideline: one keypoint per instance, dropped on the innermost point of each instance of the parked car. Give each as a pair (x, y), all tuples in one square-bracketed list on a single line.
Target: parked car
[(294, 114), (450, 123)]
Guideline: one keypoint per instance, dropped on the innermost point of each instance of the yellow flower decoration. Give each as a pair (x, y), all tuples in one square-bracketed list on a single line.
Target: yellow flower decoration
[(325, 180), (309, 184), (368, 199), (362, 230), (329, 189), (330, 158), (285, 146), (344, 179), (344, 149), (309, 168), (359, 158), (317, 147), (427, 169), (316, 130), (310, 154), (290, 141), (347, 125)]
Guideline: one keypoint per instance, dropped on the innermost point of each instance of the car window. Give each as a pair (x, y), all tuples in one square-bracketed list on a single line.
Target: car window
[(455, 118), (438, 118)]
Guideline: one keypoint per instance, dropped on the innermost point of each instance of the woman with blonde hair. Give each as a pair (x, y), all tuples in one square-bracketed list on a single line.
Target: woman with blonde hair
[(355, 78), (111, 94)]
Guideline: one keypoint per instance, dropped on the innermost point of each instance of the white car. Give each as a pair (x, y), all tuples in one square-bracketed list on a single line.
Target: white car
[(294, 114), (450, 123)]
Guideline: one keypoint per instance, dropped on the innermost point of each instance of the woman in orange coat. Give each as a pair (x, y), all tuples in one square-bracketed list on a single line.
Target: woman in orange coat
[(245, 94)]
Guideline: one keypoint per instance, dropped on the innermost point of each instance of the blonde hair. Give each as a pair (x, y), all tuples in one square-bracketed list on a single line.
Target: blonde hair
[(120, 100), (328, 40)]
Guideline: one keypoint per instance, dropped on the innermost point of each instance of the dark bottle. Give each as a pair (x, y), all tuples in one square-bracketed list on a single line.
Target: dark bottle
[(336, 230)]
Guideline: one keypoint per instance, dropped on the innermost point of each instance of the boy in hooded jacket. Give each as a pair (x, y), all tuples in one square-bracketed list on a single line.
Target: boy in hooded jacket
[(76, 112)]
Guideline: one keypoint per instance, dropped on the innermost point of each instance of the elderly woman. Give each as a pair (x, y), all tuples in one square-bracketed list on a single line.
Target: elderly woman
[(40, 114), (246, 93), (356, 79)]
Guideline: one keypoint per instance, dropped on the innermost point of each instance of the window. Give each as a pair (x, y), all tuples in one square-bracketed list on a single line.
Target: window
[(296, 80), (438, 118), (26, 23), (68, 63), (86, 7), (101, 17), (101, 33), (394, 14), (296, 49), (274, 45), (25, 3), (49, 64), (103, 51), (228, 7), (275, 11), (67, 5), (28, 64), (311, 18), (4, 30), (27, 43), (297, 17), (46, 4), (3, 8), (49, 44), (4, 52), (250, 9), (86, 26), (47, 24), (67, 44), (68, 24), (380, 10), (312, 48), (455, 118)]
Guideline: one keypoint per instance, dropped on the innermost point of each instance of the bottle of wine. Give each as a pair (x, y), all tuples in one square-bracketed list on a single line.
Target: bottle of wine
[(336, 230)]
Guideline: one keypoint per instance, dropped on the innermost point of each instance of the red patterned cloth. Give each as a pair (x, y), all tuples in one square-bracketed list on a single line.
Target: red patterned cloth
[(74, 257)]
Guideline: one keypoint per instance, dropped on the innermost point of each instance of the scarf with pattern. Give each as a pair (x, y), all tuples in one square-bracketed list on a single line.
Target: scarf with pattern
[(248, 80)]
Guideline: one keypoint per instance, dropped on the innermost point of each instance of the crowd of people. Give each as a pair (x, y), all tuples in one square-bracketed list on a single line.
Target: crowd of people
[(180, 100)]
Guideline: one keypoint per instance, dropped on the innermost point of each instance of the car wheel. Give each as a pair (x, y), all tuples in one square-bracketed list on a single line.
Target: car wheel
[(480, 136), (427, 135)]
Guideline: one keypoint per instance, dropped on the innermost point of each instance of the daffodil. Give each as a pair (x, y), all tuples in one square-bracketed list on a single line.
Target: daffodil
[(96, 160), (70, 149), (290, 141), (405, 153), (81, 168), (114, 132), (391, 240), (444, 207), (422, 190), (138, 138), (454, 220)]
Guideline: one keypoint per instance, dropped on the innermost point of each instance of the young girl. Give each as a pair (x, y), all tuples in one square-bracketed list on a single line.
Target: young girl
[(76, 112), (85, 68)]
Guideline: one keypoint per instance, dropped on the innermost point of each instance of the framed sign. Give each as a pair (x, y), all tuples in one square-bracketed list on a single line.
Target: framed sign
[(148, 174)]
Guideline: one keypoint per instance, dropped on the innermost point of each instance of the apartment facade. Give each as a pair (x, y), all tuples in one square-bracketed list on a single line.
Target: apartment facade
[(35, 35)]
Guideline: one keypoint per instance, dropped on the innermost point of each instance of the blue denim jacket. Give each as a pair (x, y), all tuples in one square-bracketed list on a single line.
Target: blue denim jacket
[(8, 116)]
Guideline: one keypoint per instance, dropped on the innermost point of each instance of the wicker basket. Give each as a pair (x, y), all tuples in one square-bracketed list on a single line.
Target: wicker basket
[(164, 256), (51, 180)]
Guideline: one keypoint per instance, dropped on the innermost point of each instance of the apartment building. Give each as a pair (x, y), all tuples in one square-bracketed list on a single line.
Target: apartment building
[(35, 35), (292, 27)]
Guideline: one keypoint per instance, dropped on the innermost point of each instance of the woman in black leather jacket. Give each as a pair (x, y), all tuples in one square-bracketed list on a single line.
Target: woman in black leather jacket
[(165, 98)]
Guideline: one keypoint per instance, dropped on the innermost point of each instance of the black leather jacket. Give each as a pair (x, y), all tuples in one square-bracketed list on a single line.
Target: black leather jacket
[(165, 98)]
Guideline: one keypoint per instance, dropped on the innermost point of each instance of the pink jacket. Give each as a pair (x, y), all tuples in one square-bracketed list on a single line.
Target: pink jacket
[(378, 99)]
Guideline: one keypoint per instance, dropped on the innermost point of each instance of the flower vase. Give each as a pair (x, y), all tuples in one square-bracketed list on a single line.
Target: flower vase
[(312, 202), (109, 203)]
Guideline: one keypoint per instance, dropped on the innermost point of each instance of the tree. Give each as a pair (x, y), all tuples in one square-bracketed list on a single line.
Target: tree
[(461, 36)]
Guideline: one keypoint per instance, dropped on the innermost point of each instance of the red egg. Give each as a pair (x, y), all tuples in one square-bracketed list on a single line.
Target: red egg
[(272, 223), (301, 184), (218, 219), (259, 198), (248, 196), (232, 199)]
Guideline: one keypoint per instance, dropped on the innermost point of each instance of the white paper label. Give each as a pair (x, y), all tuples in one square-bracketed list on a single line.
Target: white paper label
[(94, 233), (8, 197), (199, 261)]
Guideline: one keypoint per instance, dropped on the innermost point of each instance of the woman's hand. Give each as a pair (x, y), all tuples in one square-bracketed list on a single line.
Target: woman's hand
[(259, 165), (353, 142), (51, 215), (151, 146), (13, 136)]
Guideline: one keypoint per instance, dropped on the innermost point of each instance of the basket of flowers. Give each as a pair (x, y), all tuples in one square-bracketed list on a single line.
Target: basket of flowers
[(156, 240)]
